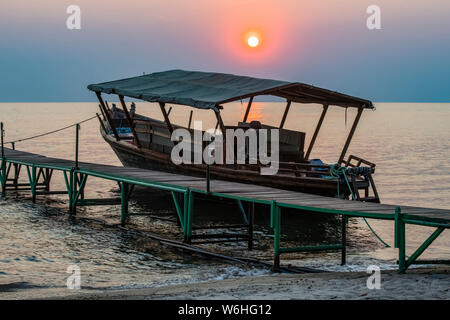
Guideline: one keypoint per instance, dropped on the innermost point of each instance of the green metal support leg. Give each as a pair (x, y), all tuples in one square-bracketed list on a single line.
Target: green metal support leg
[(33, 188), (68, 181), (400, 240), (185, 212), (3, 177), (73, 191), (17, 168), (189, 215), (78, 189), (47, 179), (242, 210), (124, 202), (178, 209), (82, 185), (33, 182), (276, 225)]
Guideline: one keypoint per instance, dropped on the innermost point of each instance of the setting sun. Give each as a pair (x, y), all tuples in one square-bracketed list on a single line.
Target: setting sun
[(253, 41)]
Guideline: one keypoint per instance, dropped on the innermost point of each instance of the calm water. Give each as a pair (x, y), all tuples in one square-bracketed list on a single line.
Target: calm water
[(408, 142)]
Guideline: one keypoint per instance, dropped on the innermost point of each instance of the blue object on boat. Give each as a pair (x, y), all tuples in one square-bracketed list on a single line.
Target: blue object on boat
[(320, 163), (121, 130)]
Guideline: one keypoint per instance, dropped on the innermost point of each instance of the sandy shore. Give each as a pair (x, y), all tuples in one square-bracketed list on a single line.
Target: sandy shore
[(429, 283)]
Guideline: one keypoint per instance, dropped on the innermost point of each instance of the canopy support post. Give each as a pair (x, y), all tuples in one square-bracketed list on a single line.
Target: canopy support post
[(222, 128), (162, 105), (130, 121), (249, 105), (111, 124), (190, 119), (101, 123), (101, 110), (316, 132), (350, 135), (288, 106)]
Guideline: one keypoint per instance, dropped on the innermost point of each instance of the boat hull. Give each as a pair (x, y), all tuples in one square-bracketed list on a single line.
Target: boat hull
[(131, 156)]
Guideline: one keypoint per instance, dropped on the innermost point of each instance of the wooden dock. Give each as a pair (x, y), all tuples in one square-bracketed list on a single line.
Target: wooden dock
[(184, 189)]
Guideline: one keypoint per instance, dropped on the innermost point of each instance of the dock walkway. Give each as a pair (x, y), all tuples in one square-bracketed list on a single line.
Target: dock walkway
[(184, 189)]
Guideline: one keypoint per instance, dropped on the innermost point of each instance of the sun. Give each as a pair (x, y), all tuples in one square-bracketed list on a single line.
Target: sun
[(253, 41)]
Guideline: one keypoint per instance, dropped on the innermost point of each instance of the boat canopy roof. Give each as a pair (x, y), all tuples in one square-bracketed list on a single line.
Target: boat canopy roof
[(208, 90)]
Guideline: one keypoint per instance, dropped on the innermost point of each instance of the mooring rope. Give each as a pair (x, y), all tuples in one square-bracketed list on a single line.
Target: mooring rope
[(336, 171), (53, 131)]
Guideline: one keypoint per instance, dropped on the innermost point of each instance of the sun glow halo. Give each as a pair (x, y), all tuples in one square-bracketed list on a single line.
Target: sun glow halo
[(253, 41)]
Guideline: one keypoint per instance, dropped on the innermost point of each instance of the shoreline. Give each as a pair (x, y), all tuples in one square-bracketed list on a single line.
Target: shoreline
[(420, 283)]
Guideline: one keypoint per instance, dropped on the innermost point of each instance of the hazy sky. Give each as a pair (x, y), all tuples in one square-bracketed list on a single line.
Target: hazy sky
[(321, 42)]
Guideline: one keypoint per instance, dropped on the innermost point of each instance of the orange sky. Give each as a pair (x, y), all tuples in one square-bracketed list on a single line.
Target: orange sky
[(324, 42)]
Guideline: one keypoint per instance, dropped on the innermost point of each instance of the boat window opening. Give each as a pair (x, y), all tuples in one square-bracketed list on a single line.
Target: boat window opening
[(249, 105), (350, 135), (288, 106), (316, 131)]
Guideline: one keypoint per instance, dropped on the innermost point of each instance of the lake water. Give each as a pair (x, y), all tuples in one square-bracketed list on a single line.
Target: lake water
[(408, 142)]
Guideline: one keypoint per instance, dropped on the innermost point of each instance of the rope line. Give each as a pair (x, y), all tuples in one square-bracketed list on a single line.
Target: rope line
[(336, 171), (50, 132)]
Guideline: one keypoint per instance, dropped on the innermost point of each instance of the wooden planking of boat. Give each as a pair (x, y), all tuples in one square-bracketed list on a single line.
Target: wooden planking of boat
[(144, 142)]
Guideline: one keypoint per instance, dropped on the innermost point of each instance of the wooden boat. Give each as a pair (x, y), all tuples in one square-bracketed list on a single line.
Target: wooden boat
[(144, 142)]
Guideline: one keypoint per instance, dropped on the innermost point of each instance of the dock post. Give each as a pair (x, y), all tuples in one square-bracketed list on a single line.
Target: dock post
[(33, 183), (276, 225), (208, 184), (72, 192), (47, 179), (189, 216), (81, 185), (344, 240), (124, 203), (17, 168), (400, 239), (2, 134), (185, 212), (73, 187), (180, 214), (3, 177), (251, 218), (77, 131)]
